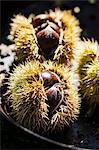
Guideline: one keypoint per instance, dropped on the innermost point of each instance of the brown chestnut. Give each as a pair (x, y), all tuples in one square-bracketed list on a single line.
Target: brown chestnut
[(48, 39), (42, 18), (54, 92), (39, 20), (48, 33), (55, 97), (49, 78)]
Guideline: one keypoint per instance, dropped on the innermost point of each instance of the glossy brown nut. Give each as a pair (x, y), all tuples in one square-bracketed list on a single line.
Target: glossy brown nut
[(54, 95), (54, 27), (48, 33), (48, 39), (49, 78), (40, 19)]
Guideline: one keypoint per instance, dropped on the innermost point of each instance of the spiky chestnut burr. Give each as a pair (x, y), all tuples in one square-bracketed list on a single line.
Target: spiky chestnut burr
[(43, 97), (23, 35), (88, 71), (90, 86), (71, 35), (53, 36), (88, 50)]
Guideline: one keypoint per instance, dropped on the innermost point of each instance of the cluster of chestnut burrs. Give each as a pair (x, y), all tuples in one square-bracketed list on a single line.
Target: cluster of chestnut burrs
[(52, 61)]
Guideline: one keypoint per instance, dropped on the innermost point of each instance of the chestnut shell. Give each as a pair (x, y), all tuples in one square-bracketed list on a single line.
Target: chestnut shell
[(48, 33)]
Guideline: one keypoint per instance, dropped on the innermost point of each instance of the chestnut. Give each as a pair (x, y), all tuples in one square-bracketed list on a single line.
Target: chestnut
[(40, 19), (48, 40), (54, 93), (47, 33), (49, 78), (55, 97)]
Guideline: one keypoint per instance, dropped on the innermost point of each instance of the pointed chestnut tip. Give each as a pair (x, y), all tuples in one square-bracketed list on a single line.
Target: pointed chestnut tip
[(49, 78)]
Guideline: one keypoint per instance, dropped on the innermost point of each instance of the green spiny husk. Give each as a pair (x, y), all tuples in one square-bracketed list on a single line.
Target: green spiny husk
[(90, 83), (71, 35), (22, 34), (29, 101), (88, 71)]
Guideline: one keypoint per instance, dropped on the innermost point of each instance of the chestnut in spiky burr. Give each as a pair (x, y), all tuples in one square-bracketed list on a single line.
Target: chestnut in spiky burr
[(51, 35), (88, 71), (43, 97)]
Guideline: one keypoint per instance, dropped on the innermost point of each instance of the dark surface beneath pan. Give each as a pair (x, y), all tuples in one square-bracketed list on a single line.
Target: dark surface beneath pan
[(84, 133)]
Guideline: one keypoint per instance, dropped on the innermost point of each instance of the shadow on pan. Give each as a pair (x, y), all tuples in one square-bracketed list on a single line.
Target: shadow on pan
[(83, 134)]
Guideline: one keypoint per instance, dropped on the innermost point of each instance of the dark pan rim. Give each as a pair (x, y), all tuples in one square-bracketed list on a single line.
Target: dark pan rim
[(62, 145)]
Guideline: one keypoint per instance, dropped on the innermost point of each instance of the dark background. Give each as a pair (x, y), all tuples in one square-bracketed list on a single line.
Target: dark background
[(88, 16), (11, 136)]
